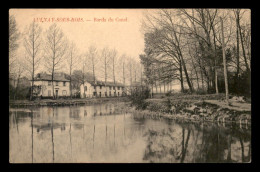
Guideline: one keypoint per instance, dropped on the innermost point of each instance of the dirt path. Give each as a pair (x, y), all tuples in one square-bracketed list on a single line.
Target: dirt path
[(237, 106)]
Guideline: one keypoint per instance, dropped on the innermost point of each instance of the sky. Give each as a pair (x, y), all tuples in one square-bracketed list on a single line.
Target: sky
[(123, 32), (114, 28)]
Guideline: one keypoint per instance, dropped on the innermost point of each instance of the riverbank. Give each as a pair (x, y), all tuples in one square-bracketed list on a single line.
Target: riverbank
[(211, 108), (65, 102)]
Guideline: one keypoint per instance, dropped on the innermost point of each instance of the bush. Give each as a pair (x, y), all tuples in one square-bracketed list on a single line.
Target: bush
[(169, 93), (200, 91), (138, 97), (157, 107)]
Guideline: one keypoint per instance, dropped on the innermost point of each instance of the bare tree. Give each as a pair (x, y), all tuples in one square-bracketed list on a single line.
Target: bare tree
[(54, 50), (92, 52), (166, 42), (224, 63), (113, 54), (105, 64), (18, 72), (122, 61), (13, 39), (72, 61), (32, 42), (239, 15)]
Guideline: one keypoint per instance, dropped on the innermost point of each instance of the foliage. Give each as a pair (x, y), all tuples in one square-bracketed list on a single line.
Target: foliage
[(138, 97), (20, 93)]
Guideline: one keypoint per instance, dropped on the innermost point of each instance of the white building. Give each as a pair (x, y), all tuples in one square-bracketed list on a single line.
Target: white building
[(43, 85), (100, 89)]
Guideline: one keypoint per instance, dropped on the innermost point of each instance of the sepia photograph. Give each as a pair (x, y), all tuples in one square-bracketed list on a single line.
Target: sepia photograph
[(162, 85)]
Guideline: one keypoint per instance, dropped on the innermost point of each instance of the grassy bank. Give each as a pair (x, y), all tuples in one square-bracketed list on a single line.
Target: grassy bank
[(65, 102), (210, 108)]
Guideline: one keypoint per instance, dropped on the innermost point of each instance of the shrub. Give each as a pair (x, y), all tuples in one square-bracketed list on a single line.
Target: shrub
[(200, 91), (138, 97), (169, 93), (157, 107)]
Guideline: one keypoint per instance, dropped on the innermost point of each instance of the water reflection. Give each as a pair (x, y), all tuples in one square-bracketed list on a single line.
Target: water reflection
[(97, 133), (185, 142)]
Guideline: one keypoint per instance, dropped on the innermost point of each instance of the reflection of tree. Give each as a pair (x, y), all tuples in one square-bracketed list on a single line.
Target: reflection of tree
[(161, 146), (94, 136), (229, 139), (248, 157), (195, 144), (184, 146), (32, 132), (70, 141), (52, 137)]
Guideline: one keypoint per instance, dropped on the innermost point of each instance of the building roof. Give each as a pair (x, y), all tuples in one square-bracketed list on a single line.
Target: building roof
[(101, 83), (47, 77)]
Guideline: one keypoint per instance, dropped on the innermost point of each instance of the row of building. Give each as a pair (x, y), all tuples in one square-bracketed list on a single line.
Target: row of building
[(43, 87)]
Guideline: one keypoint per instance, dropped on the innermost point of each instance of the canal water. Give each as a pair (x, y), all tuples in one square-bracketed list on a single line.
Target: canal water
[(101, 134)]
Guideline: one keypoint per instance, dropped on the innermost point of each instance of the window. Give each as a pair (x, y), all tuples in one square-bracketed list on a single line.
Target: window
[(49, 83), (109, 93), (94, 93), (114, 88), (64, 92), (106, 94), (118, 88), (49, 92), (115, 94), (57, 83), (94, 87), (100, 87), (86, 88), (99, 94), (118, 94), (64, 83), (109, 87)]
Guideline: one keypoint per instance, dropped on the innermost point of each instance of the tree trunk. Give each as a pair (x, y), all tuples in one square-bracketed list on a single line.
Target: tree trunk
[(196, 73), (17, 86), (224, 63), (237, 55), (93, 66), (152, 91), (70, 85), (181, 79), (155, 87), (52, 78), (186, 74), (216, 80), (243, 48), (164, 86), (215, 63), (32, 81)]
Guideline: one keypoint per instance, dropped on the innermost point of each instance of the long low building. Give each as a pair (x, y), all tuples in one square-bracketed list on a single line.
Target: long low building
[(101, 89)]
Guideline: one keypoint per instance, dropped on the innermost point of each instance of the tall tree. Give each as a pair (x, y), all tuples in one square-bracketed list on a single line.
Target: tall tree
[(106, 58), (114, 63), (72, 61), (224, 62), (14, 36), (32, 42), (54, 50)]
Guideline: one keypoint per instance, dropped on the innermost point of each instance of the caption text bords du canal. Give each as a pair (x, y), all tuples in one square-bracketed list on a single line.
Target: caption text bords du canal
[(78, 19)]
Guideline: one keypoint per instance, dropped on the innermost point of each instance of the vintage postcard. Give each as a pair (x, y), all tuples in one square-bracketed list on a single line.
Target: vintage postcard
[(130, 85)]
